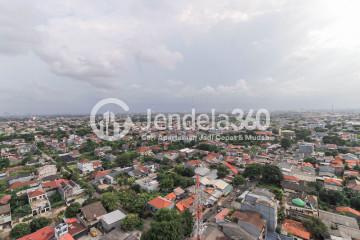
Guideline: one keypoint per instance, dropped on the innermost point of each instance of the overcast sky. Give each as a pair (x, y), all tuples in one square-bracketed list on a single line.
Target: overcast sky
[(63, 56)]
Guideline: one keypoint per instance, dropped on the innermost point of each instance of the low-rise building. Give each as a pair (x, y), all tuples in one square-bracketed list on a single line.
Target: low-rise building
[(38, 201), (5, 216), (70, 191), (112, 220), (159, 203), (45, 233), (46, 171), (92, 213), (296, 229), (263, 202)]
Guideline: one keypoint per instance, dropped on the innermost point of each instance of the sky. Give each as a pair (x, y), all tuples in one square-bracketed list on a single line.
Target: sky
[(61, 57)]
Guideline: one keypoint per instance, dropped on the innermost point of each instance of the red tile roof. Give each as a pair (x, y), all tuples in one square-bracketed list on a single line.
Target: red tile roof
[(333, 181), (143, 149), (290, 178), (295, 228), (185, 204), (193, 162), (16, 185), (5, 199), (171, 196), (222, 214), (45, 233), (54, 184), (160, 202), (348, 210), (231, 167), (100, 174), (37, 192), (97, 164)]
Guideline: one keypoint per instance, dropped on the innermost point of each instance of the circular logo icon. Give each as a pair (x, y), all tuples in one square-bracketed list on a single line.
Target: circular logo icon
[(107, 128)]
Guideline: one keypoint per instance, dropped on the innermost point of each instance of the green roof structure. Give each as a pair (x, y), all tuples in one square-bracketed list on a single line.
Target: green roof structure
[(298, 202)]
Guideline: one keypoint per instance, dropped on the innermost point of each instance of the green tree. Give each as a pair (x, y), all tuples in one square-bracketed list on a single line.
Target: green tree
[(222, 171), (88, 146), (167, 226), (285, 143), (4, 163), (310, 160), (238, 180), (131, 222), (38, 223), (110, 201), (187, 222), (20, 230), (72, 210), (253, 171), (331, 197), (355, 202), (317, 228), (166, 182), (208, 147), (271, 174), (125, 159)]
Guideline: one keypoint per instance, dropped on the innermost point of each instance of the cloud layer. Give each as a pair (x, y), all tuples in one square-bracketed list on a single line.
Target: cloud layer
[(174, 55)]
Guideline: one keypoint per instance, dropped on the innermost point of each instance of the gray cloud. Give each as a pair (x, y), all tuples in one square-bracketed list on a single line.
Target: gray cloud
[(177, 54)]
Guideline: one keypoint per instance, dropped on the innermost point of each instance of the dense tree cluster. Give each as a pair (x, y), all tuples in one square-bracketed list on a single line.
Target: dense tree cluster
[(169, 225), (267, 174), (317, 228)]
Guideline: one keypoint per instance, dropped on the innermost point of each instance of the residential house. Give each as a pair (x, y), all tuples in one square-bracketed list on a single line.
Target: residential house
[(144, 151), (263, 202), (39, 201), (193, 164), (5, 216), (71, 192), (220, 217), (326, 171), (46, 171), (171, 155), (86, 166), (112, 220), (45, 233), (349, 211), (354, 185), (91, 214), (251, 222), (213, 158), (148, 184), (159, 203), (185, 204), (333, 184), (222, 186), (307, 149), (295, 228)]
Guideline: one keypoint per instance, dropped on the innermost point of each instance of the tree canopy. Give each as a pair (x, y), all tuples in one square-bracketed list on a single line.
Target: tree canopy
[(38, 223), (317, 228), (72, 210), (168, 224), (132, 221), (20, 230)]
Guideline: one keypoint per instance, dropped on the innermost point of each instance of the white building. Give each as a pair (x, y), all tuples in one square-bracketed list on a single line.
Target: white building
[(85, 166), (46, 171), (112, 220)]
